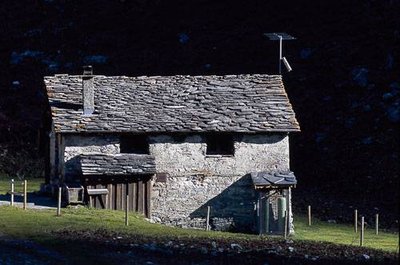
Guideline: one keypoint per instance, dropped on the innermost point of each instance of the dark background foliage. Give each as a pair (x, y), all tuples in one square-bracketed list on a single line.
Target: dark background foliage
[(345, 87)]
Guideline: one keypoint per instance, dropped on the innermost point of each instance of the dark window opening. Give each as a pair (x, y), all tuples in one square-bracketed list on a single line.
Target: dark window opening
[(220, 145), (134, 144)]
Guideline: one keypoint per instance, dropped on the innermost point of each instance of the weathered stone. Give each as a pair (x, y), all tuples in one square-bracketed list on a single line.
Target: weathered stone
[(172, 104), (80, 144), (196, 181), (117, 164)]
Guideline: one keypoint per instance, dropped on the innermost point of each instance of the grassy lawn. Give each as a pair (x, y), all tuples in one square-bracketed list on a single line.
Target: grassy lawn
[(33, 184), (38, 225), (344, 234)]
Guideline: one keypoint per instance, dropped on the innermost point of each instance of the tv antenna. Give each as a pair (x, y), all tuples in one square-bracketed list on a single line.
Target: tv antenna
[(281, 36)]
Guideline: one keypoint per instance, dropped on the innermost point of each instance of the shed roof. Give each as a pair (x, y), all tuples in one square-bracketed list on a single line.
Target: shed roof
[(229, 103), (120, 164), (263, 180)]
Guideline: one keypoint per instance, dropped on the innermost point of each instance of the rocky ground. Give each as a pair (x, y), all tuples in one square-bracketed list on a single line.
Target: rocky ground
[(345, 87), (105, 248), (227, 252)]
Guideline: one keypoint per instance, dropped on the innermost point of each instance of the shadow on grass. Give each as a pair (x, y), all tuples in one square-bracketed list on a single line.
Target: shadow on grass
[(33, 197)]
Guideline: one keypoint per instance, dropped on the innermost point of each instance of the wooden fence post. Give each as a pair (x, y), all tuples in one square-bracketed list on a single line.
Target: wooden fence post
[(362, 232), (25, 193), (12, 192), (59, 202), (126, 210), (258, 217), (377, 224), (266, 214), (309, 215), (208, 218), (355, 220), (285, 229)]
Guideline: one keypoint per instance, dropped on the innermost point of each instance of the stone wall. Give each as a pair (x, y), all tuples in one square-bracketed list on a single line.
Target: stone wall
[(252, 153), (196, 180), (75, 145), (183, 201)]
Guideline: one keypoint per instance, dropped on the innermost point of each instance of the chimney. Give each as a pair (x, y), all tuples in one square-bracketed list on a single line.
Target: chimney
[(88, 90)]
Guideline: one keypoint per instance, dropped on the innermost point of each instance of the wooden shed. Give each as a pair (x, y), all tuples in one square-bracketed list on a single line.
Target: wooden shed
[(274, 211), (109, 179)]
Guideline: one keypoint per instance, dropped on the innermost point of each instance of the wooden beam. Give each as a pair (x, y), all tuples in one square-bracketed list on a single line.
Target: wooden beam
[(362, 232), (118, 198), (135, 196), (97, 191), (208, 218), (52, 156), (59, 202), (60, 156), (141, 196), (148, 198), (126, 209)]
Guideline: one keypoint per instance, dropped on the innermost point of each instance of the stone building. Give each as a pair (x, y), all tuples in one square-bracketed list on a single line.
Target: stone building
[(175, 145)]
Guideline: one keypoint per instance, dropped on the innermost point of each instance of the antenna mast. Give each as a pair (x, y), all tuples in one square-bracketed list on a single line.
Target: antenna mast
[(281, 36)]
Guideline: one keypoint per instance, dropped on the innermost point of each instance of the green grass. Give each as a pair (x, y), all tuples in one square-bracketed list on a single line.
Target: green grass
[(35, 224), (344, 234), (5, 186), (38, 225)]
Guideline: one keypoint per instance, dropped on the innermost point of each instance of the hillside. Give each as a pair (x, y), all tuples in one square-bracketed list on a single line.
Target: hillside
[(345, 87)]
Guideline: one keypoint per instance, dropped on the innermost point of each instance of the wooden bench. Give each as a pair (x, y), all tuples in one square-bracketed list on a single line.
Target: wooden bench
[(98, 193)]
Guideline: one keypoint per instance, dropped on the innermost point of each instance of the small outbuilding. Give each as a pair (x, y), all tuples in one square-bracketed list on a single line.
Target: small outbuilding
[(175, 145)]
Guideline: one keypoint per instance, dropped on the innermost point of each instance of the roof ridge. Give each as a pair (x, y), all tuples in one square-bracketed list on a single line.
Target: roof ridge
[(166, 76)]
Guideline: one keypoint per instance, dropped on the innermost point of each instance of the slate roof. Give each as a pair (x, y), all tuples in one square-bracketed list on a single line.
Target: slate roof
[(120, 164), (273, 179), (230, 103)]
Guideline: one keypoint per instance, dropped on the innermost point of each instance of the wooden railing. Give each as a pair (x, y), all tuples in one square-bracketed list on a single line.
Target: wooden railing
[(24, 193)]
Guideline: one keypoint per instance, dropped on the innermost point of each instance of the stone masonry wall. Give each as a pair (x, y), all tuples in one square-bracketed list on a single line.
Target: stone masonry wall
[(196, 180), (75, 145)]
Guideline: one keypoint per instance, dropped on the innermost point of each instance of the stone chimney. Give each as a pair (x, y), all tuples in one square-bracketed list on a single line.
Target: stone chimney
[(88, 90)]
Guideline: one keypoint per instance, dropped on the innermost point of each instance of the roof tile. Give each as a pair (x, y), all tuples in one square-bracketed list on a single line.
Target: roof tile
[(231, 103)]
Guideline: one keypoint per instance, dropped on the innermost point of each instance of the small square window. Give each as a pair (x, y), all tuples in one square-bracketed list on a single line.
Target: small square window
[(220, 144), (134, 144)]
